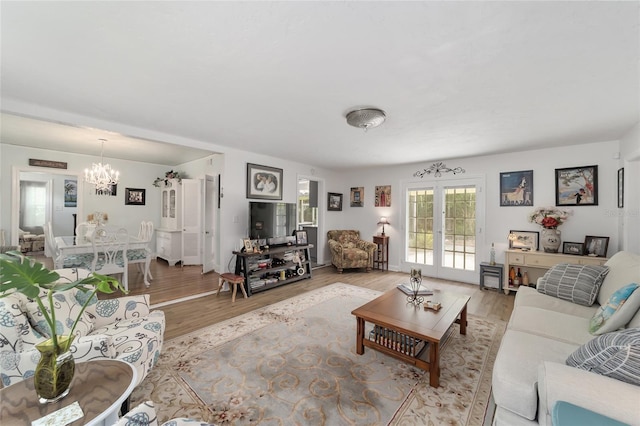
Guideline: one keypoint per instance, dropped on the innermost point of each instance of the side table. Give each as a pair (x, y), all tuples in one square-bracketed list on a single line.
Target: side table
[(381, 255), (100, 387), (487, 269)]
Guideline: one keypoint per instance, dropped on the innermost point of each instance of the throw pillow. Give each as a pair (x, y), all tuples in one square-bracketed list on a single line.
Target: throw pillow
[(615, 355), (575, 283), (617, 312), (67, 309)]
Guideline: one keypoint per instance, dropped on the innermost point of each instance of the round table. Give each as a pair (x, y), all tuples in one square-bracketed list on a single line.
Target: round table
[(100, 387)]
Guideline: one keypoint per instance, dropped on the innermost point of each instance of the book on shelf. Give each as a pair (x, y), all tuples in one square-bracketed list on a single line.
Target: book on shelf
[(406, 289), (397, 341)]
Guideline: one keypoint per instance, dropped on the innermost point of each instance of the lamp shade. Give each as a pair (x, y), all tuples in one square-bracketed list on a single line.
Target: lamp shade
[(383, 221)]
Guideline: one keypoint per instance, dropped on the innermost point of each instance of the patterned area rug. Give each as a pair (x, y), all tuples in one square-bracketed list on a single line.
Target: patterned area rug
[(294, 362)]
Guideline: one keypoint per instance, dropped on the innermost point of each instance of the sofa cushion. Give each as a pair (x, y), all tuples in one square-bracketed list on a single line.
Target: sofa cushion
[(576, 283), (618, 311), (67, 310), (550, 324), (529, 296), (615, 355), (515, 370), (624, 268)]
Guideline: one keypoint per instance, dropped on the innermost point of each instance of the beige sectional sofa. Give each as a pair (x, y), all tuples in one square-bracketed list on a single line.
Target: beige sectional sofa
[(531, 373)]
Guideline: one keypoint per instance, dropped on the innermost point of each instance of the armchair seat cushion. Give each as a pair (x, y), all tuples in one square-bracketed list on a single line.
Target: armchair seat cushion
[(355, 255)]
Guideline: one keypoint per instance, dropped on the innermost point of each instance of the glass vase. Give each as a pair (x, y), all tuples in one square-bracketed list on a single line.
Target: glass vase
[(54, 372)]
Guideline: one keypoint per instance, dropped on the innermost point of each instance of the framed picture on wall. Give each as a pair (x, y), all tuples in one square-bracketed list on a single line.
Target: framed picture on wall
[(134, 196), (112, 190), (357, 196), (264, 182), (516, 188), (577, 186), (334, 202), (621, 188)]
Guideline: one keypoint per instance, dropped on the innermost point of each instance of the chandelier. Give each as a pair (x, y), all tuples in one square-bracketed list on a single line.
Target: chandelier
[(101, 175), (366, 118)]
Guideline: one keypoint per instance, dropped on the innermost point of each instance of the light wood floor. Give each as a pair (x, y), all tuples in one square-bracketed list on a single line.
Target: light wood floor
[(176, 282)]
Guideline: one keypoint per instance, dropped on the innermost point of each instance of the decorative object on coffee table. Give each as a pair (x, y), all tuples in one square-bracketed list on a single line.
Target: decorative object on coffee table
[(415, 281)]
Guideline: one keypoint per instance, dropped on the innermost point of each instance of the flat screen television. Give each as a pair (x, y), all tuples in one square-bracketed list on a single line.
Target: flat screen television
[(271, 221)]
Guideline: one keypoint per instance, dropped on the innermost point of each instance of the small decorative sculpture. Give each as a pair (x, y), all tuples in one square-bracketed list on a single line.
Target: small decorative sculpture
[(415, 281)]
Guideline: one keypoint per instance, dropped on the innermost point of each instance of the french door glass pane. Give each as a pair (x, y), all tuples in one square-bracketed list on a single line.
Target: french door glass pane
[(459, 228), (420, 227)]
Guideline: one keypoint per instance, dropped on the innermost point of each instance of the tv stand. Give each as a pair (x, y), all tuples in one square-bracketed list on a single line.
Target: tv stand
[(273, 267)]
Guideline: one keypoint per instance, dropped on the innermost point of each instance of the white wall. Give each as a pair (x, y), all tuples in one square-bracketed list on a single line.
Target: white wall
[(601, 220), (630, 214)]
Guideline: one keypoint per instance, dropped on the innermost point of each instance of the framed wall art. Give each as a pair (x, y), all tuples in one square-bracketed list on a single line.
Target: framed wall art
[(573, 248), (134, 196), (577, 186), (596, 246), (621, 188), (524, 240), (112, 191), (334, 202), (383, 196), (357, 196), (264, 182), (516, 188), (70, 193)]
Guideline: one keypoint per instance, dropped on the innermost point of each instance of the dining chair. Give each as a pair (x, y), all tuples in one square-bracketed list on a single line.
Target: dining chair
[(110, 252), (142, 257), (72, 261)]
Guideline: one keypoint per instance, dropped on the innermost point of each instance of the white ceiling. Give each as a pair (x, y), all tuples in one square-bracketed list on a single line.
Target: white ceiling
[(455, 78)]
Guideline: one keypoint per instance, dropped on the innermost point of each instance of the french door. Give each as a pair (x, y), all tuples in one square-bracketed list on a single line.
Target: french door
[(443, 225)]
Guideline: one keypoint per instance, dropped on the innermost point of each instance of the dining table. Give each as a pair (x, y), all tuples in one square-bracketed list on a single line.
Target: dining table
[(71, 245)]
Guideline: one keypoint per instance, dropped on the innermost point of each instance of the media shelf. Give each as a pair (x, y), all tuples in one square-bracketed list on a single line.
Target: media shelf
[(273, 267)]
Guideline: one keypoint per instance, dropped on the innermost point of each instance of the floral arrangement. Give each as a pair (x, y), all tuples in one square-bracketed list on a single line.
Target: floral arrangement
[(550, 217), (168, 175)]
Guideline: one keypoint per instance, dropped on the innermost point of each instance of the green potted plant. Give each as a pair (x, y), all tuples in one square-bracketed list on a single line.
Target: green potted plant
[(24, 275)]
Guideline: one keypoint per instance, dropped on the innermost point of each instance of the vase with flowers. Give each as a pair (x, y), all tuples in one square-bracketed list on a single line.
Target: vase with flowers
[(550, 218), (160, 181)]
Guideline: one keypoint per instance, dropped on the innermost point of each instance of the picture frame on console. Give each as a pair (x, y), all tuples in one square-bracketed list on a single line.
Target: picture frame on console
[(264, 182), (524, 240), (596, 246), (577, 186), (576, 249), (301, 238), (334, 201)]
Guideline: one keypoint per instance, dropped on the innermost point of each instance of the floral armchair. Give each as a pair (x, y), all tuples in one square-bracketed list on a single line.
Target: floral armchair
[(349, 251), (122, 328)]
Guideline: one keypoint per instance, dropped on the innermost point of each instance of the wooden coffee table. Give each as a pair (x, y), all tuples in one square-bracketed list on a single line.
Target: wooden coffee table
[(403, 322)]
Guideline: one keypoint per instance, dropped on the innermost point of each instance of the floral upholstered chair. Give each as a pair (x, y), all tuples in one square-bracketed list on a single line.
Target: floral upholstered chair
[(123, 328), (349, 251)]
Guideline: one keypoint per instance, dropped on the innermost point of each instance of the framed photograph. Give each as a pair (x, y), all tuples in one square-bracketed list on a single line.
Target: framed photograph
[(516, 188), (301, 238), (357, 196), (524, 240), (621, 188), (134, 196), (264, 182), (577, 186), (334, 202), (70, 193), (113, 190), (248, 245), (383, 196), (596, 246), (573, 248)]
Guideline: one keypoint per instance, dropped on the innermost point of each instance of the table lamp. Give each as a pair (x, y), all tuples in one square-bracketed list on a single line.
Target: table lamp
[(383, 221)]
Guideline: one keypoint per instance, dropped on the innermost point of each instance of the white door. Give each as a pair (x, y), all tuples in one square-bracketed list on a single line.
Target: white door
[(209, 197), (191, 222), (443, 225)]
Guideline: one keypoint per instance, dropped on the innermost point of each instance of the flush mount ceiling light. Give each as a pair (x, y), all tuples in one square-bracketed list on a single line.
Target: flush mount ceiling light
[(366, 118), (101, 175)]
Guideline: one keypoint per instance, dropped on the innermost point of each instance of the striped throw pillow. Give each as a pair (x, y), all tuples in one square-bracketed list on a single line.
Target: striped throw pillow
[(615, 355), (576, 283)]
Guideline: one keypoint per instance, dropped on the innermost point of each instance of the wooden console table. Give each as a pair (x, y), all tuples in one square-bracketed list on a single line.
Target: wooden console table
[(539, 262)]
